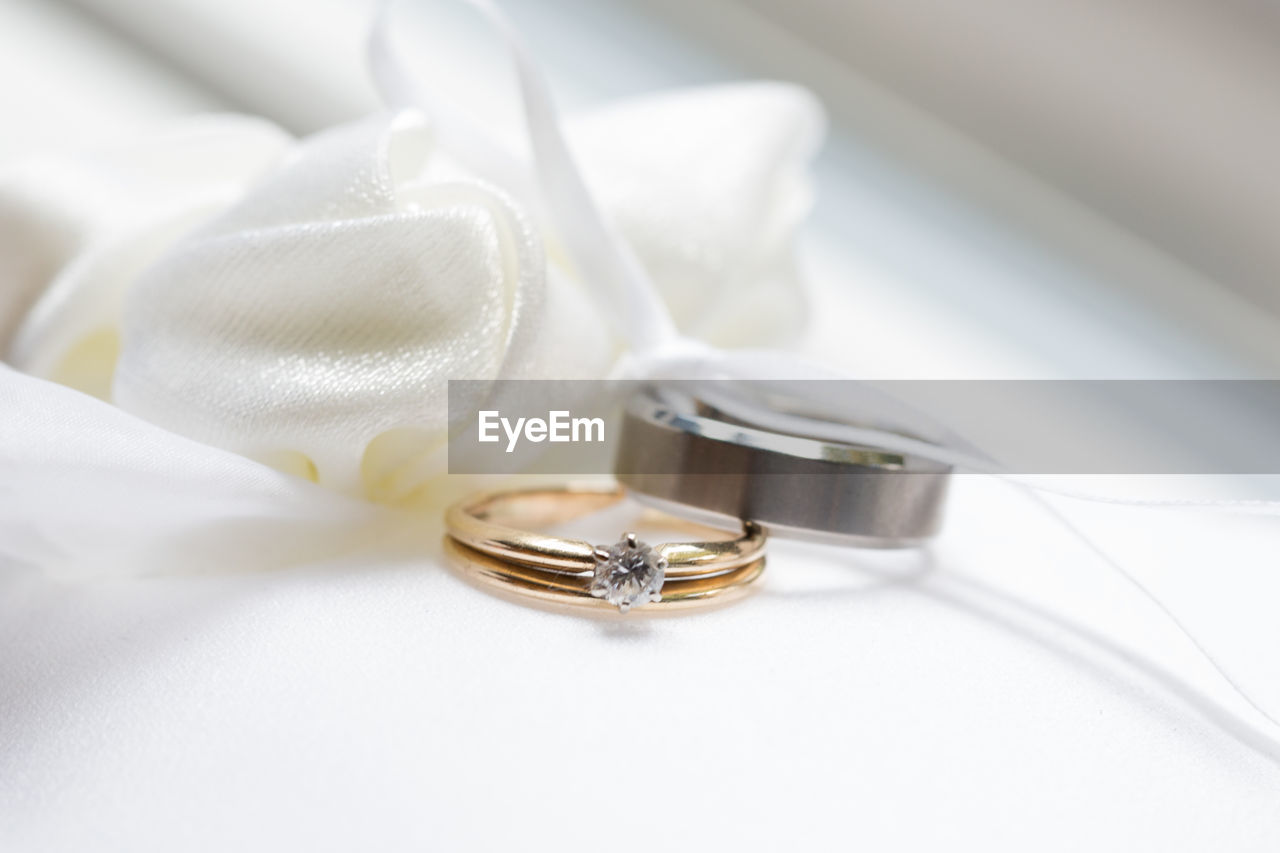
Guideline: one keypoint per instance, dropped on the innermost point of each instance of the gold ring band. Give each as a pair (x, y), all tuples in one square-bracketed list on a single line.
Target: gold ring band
[(489, 540), (574, 590)]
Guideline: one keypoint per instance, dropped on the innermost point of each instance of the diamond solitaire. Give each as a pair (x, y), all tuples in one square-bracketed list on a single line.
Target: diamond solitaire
[(629, 573)]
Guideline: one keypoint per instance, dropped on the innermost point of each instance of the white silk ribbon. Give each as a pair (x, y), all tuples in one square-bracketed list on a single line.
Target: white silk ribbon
[(623, 289)]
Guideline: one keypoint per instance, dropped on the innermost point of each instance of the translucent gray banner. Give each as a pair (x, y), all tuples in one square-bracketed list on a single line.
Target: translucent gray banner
[(575, 427)]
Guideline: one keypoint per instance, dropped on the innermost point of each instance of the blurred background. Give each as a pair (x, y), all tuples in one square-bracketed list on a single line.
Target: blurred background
[(1012, 188)]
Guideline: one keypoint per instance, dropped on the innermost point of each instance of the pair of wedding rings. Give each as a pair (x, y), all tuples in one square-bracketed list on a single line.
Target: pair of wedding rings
[(698, 461)]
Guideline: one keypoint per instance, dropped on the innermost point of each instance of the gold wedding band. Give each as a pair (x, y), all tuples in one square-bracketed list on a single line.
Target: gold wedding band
[(489, 540)]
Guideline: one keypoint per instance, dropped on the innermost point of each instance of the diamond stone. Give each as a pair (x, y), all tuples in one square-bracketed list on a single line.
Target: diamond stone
[(629, 573)]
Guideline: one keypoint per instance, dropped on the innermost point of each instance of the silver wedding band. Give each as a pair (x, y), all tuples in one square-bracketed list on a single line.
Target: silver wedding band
[(687, 456)]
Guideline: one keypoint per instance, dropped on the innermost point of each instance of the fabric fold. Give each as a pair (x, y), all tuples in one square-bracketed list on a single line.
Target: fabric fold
[(75, 232), (91, 490)]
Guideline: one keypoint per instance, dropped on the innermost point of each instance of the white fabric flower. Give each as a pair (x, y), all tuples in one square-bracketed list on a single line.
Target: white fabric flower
[(303, 304), (330, 306)]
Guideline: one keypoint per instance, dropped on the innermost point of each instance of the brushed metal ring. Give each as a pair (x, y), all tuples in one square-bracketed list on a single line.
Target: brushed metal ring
[(684, 455)]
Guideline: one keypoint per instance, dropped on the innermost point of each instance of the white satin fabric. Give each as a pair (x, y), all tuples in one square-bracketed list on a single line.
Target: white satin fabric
[(332, 303), (367, 702), (301, 304), (75, 232)]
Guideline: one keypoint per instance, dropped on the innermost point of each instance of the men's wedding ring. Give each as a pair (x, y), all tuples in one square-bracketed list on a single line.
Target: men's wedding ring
[(699, 458)]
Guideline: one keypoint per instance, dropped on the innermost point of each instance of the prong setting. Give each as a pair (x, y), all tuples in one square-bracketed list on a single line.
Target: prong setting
[(629, 573)]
